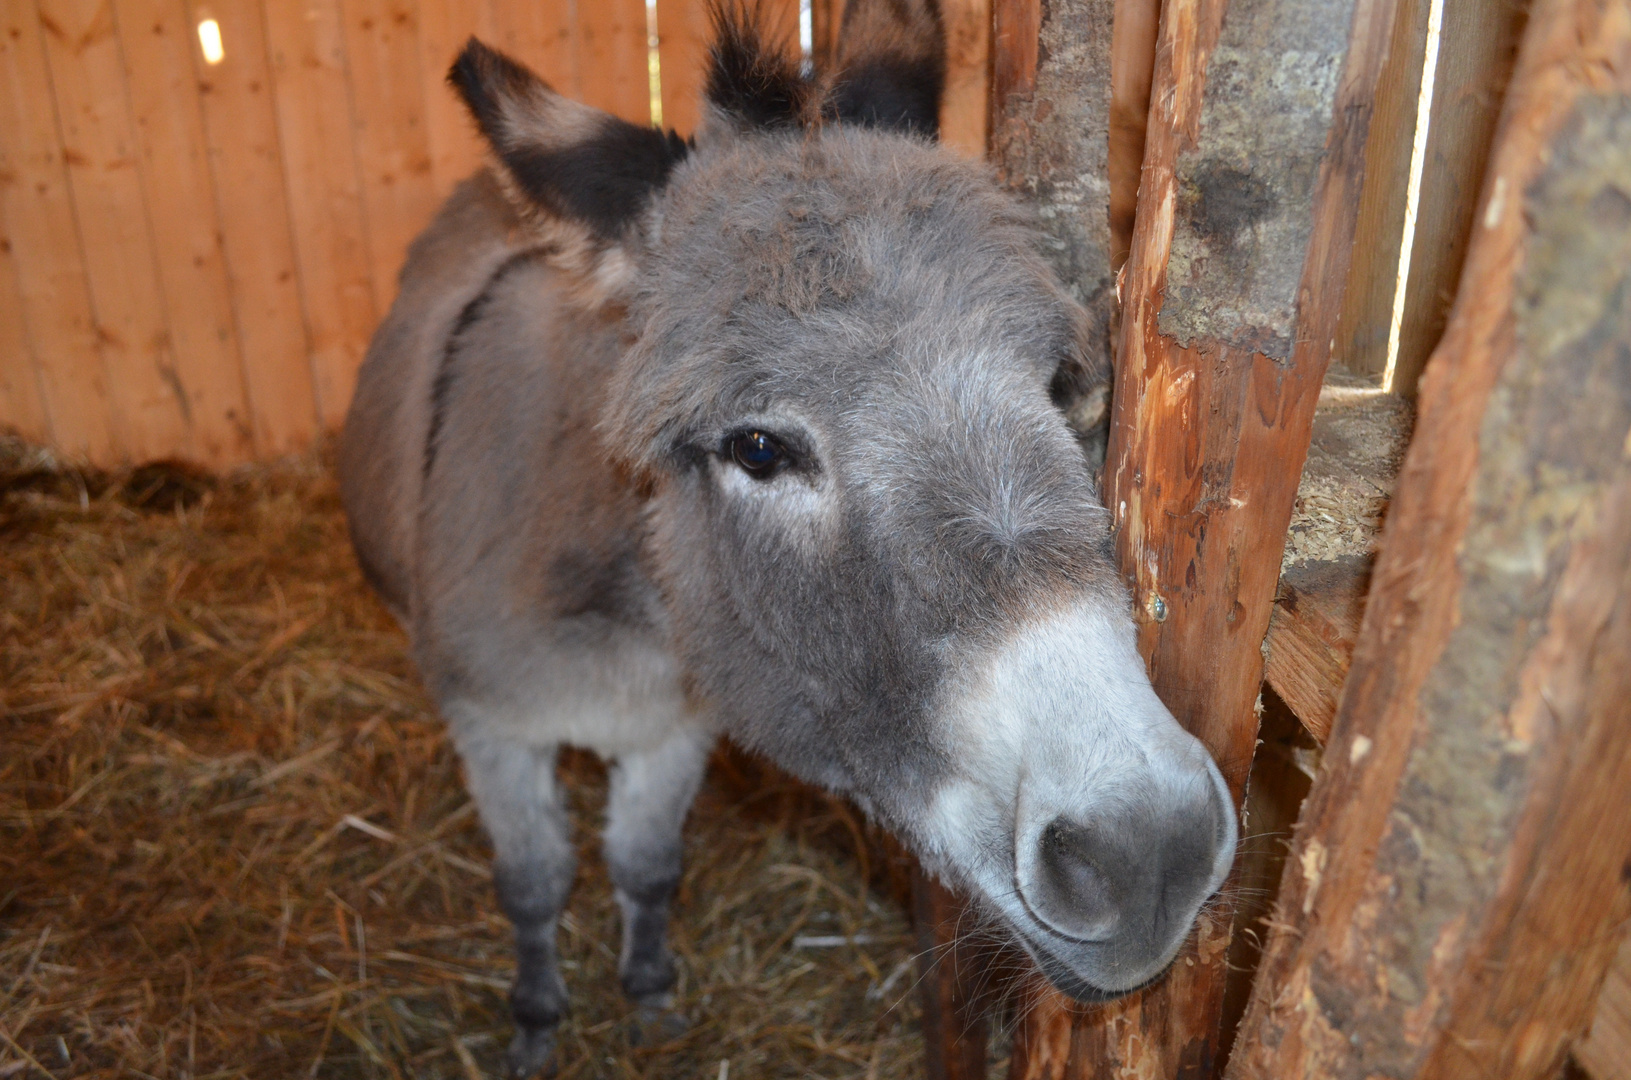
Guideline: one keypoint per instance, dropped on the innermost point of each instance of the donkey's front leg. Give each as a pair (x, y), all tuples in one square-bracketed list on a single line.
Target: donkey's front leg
[(515, 789), (650, 793)]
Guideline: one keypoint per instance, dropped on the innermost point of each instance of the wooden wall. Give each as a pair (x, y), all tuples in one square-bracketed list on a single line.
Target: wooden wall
[(193, 255)]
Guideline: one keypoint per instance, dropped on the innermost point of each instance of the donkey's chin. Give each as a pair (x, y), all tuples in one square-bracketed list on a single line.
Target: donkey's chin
[(1076, 972)]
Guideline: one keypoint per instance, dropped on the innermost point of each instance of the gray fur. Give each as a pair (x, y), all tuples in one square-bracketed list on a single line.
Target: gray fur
[(923, 613)]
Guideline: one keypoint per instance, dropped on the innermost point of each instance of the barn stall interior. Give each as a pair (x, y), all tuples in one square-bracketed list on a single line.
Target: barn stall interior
[(235, 838)]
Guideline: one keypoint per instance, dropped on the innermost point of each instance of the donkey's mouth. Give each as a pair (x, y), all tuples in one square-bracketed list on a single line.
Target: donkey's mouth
[(1073, 984)]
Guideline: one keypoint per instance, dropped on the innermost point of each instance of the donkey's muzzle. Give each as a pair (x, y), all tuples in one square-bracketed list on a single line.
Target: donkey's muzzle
[(1116, 892)]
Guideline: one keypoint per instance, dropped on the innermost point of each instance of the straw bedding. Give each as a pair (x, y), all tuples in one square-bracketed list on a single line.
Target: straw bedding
[(234, 840)]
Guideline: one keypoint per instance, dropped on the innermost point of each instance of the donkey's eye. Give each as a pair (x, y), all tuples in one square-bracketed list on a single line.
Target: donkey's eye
[(760, 454)]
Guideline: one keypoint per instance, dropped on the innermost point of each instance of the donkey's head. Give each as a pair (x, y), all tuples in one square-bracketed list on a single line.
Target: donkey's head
[(880, 543)]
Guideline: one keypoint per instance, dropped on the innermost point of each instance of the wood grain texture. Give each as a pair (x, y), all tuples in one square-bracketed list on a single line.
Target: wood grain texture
[(1605, 1052), (389, 132), (965, 112), (682, 49), (1206, 446), (20, 403), (1312, 633), (1132, 67), (37, 214), (151, 411), (1367, 309), (540, 35), (1460, 879), (1470, 85), (1050, 101), (157, 45), (320, 170), (455, 148), (613, 64), (257, 234), (952, 980)]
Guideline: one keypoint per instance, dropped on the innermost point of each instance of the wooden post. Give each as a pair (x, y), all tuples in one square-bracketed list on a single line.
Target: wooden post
[(1474, 66), (953, 984), (1252, 170), (1463, 866), (1050, 122)]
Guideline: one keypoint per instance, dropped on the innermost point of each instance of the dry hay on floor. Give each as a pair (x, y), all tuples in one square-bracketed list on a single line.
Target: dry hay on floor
[(234, 842)]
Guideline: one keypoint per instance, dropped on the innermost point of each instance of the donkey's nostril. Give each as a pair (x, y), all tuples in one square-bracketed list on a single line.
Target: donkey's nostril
[(1073, 893)]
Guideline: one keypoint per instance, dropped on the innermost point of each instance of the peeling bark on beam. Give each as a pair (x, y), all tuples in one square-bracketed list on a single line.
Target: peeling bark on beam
[(1463, 865)]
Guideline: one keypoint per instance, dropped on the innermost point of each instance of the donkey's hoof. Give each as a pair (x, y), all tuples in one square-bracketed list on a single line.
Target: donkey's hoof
[(654, 1024), (531, 1053)]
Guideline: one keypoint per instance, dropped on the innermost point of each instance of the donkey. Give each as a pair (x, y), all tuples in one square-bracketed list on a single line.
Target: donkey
[(760, 434)]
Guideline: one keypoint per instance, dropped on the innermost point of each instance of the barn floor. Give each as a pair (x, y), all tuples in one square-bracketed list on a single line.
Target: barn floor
[(234, 842)]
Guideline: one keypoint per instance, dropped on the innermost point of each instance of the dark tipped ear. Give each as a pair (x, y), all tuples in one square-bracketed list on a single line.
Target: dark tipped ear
[(891, 68), (568, 160), (752, 80)]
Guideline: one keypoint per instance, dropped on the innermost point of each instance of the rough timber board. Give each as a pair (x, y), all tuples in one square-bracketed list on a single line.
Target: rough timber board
[(1206, 446), (38, 229), (1471, 84), (1049, 136), (157, 45), (151, 409), (240, 124), (1458, 882), (1246, 189)]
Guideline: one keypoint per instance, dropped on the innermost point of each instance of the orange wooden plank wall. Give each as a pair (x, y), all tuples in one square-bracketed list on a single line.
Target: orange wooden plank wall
[(193, 255)]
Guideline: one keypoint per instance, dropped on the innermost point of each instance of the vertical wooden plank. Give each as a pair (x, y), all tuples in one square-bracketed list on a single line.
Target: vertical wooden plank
[(1459, 883), (1252, 168), (37, 216), (1367, 308), (543, 36), (965, 113), (158, 42), (826, 20), (21, 406), (252, 205), (1050, 100), (392, 147), (306, 44), (1473, 70), (613, 64), (1132, 67), (151, 407), (952, 982), (455, 149), (682, 52)]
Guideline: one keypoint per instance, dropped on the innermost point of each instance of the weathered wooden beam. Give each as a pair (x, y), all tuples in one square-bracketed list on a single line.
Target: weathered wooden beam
[(1364, 329), (1312, 632), (1480, 41), (951, 970), (1252, 170), (1463, 866), (1050, 122)]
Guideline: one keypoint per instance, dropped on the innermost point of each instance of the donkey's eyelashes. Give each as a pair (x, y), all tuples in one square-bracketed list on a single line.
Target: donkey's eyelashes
[(758, 453)]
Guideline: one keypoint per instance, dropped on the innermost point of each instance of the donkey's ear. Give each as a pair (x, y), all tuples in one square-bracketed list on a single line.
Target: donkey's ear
[(570, 162), (891, 66), (753, 81)]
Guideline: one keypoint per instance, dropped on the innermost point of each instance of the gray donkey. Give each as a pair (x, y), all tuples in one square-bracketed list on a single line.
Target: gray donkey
[(761, 434)]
